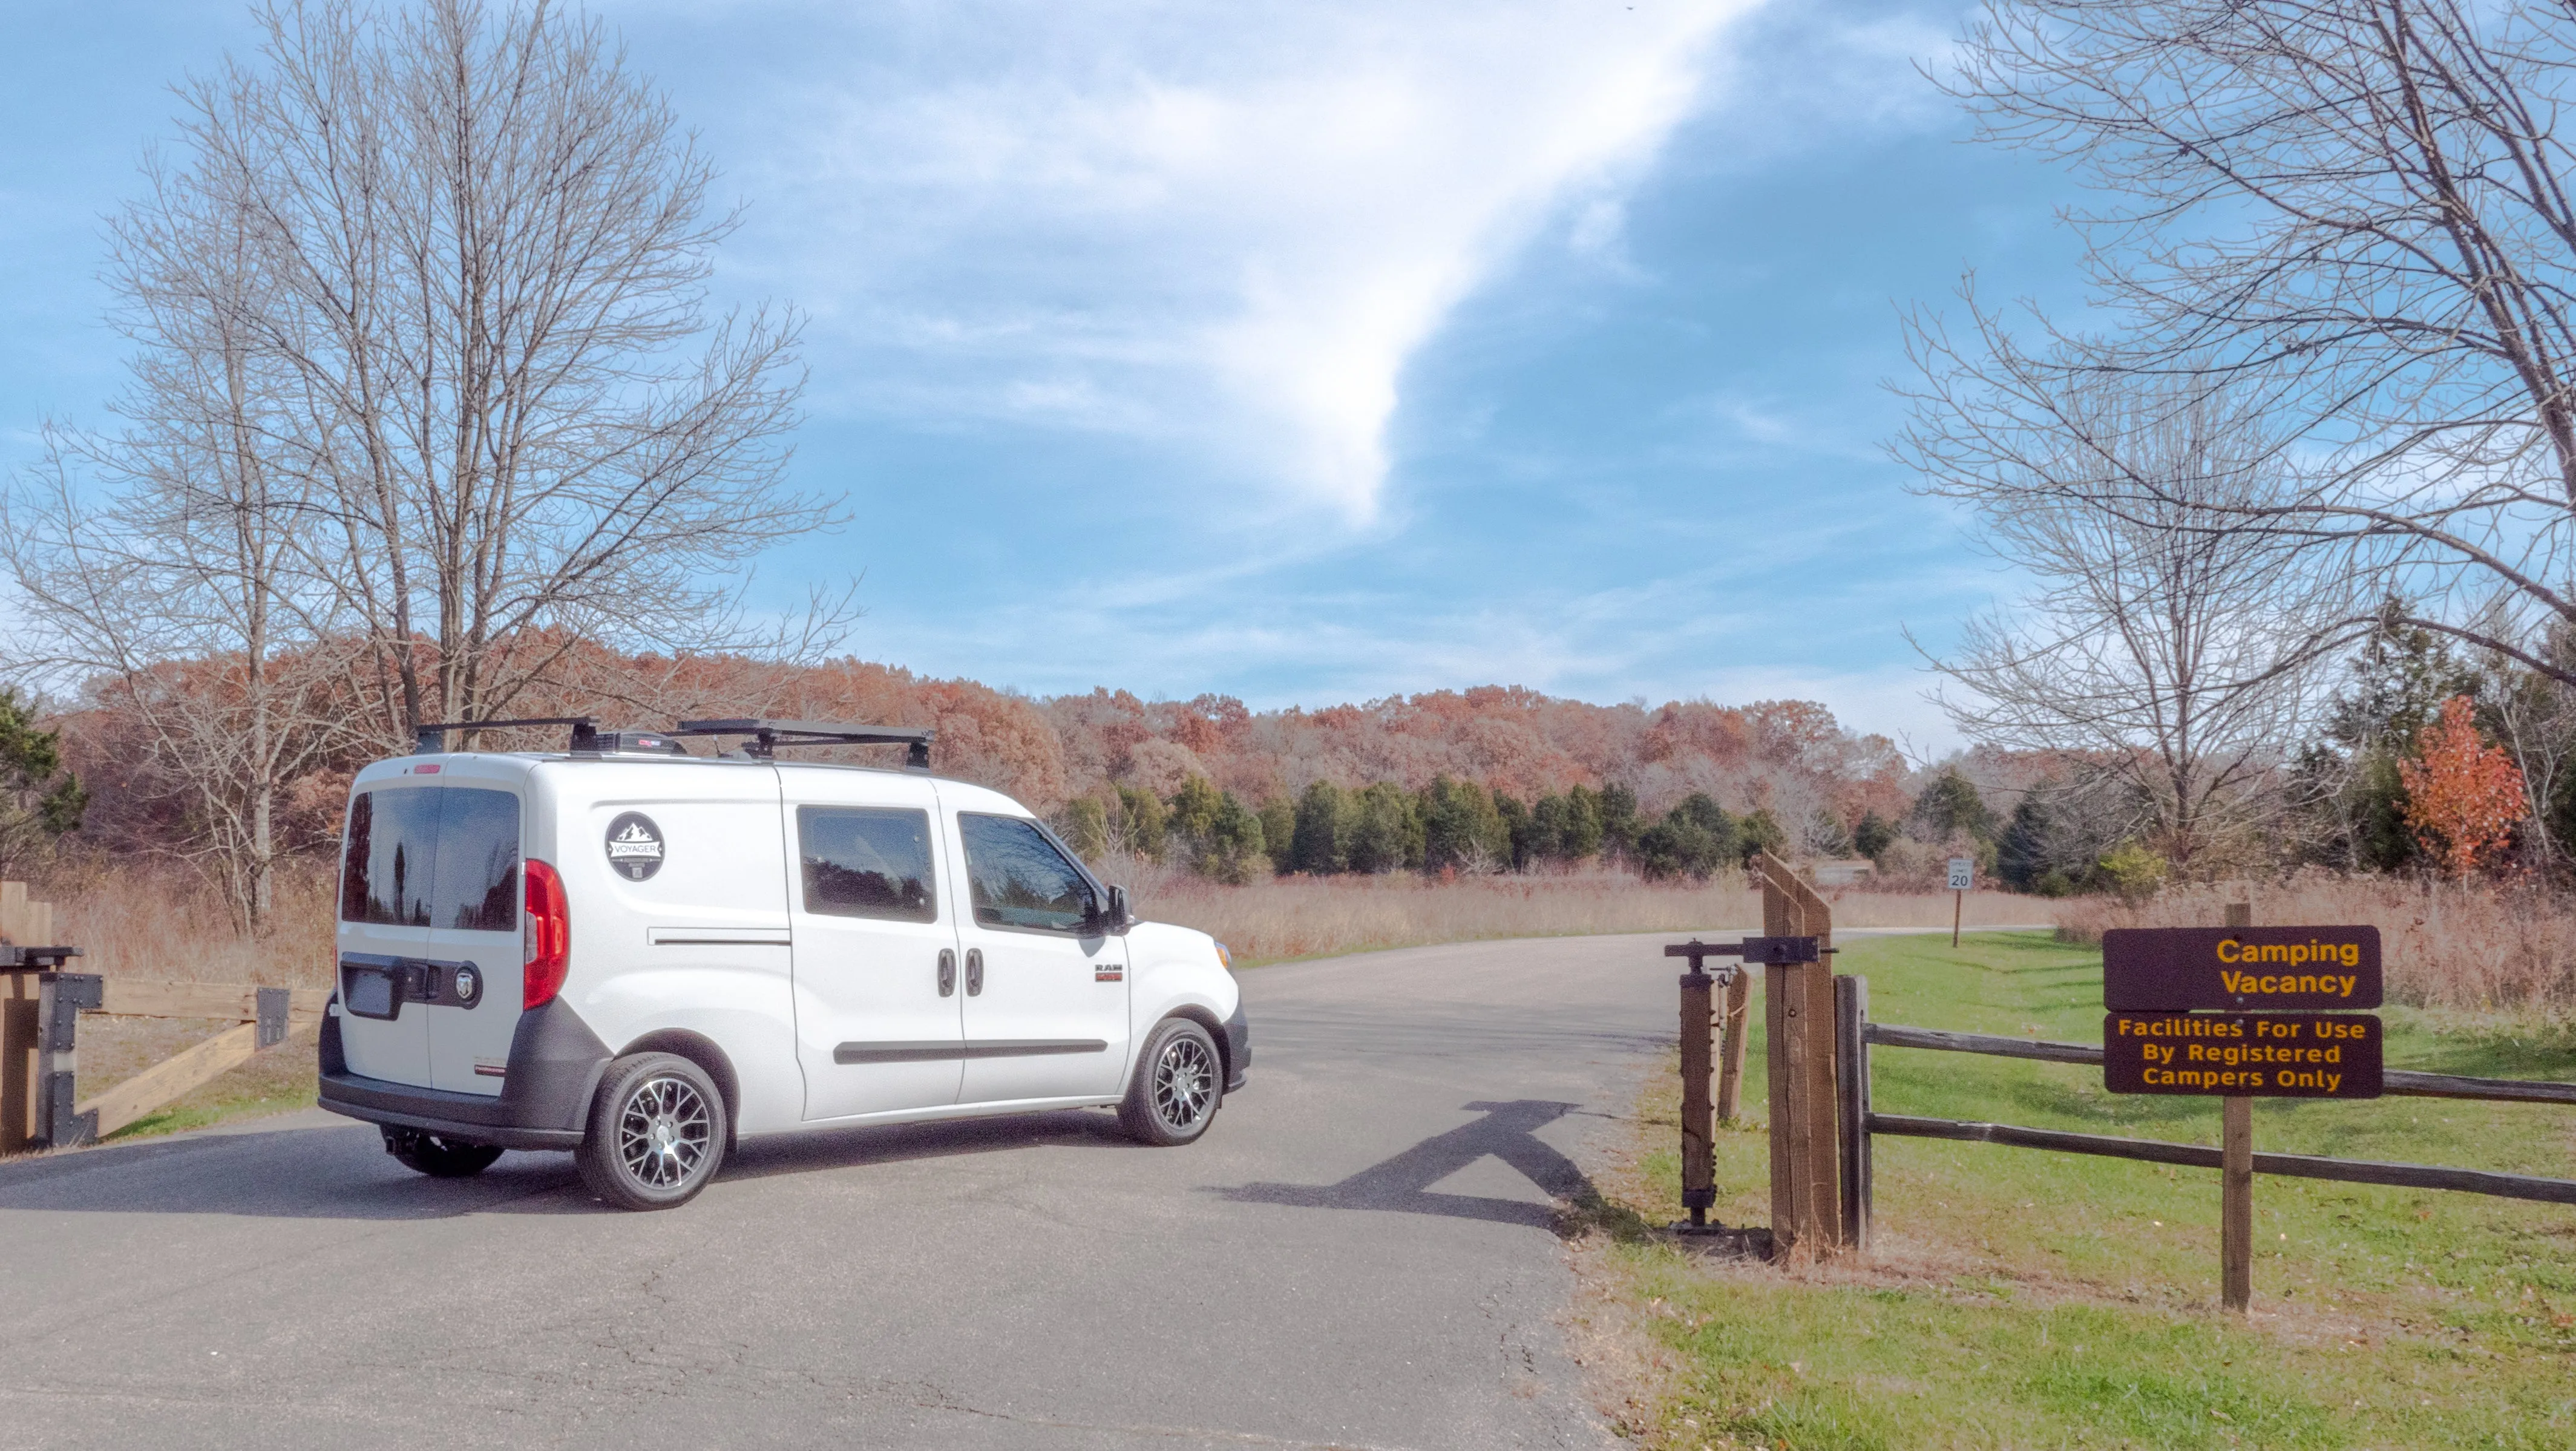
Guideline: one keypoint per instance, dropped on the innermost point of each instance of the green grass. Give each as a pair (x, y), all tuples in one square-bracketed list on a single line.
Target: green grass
[(2021, 1298), (185, 1115)]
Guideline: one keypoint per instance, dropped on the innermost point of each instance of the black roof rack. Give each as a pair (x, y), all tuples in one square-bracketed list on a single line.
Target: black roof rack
[(767, 735), (431, 740)]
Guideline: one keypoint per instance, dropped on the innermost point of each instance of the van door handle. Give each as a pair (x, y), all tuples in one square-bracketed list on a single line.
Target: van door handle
[(974, 971), (947, 973)]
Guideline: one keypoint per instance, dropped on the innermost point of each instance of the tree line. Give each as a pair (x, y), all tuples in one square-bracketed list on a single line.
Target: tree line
[(1449, 827)]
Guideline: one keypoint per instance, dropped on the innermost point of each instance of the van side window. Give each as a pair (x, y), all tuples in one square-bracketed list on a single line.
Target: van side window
[(866, 862), (432, 856), (1019, 879)]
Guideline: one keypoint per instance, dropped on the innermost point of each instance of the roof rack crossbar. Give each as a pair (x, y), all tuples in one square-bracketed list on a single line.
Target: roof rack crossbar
[(431, 739), (767, 735)]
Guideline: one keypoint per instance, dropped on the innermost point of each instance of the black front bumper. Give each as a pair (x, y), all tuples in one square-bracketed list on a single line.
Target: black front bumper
[(1238, 1048), (555, 1064)]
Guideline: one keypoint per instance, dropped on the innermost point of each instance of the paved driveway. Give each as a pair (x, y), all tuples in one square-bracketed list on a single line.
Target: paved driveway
[(1358, 1254)]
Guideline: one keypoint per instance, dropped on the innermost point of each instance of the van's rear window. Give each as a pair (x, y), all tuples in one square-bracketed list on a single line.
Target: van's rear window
[(432, 856)]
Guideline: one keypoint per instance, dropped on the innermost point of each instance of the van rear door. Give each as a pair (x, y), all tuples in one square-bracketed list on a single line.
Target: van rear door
[(384, 922), (474, 936), (428, 936)]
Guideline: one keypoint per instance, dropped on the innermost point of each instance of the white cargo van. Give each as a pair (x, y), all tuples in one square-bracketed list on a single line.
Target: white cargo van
[(637, 953)]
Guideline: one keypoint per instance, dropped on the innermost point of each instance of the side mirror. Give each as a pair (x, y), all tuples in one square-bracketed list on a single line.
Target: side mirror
[(1119, 919)]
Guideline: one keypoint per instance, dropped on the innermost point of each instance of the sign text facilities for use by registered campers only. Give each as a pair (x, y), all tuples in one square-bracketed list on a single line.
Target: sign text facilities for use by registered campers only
[(2239, 969), (2270, 1055)]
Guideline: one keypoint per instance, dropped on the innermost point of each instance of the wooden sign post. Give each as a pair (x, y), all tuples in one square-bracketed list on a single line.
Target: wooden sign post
[(1963, 875), (2236, 1180), (2196, 1010)]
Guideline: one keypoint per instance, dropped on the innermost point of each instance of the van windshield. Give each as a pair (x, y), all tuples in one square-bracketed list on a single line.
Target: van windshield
[(432, 856)]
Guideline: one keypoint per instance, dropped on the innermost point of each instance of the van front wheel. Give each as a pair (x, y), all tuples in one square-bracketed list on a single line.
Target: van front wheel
[(1179, 1082), (657, 1133)]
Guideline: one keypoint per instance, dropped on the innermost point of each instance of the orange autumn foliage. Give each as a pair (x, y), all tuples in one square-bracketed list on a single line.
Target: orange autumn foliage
[(2463, 796)]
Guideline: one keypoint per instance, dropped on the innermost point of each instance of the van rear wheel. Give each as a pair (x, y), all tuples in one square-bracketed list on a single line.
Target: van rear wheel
[(657, 1133), (437, 1157), (1179, 1082)]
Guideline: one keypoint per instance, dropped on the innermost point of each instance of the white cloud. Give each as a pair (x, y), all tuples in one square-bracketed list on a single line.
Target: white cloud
[(1230, 225)]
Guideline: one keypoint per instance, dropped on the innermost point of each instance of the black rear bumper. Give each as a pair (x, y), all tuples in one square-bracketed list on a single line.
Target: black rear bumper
[(1238, 1048), (555, 1064)]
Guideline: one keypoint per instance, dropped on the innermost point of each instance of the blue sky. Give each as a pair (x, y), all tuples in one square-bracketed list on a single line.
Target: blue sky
[(1305, 352)]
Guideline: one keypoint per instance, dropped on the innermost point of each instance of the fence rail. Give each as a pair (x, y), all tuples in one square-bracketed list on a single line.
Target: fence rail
[(40, 1012), (2398, 1082), (2199, 1156)]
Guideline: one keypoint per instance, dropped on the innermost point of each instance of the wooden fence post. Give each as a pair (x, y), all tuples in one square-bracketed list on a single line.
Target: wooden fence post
[(1851, 1049), (2236, 1180), (1798, 1014), (1730, 1069), (1699, 1155), (19, 993)]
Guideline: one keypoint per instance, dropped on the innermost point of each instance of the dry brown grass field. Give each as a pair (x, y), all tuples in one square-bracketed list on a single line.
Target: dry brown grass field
[(1292, 917), (160, 920), (2470, 948)]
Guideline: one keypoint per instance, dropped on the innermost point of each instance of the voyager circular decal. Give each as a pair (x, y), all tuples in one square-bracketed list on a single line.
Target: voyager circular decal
[(634, 846)]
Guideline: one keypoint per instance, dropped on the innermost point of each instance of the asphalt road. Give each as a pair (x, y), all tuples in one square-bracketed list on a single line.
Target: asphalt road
[(1359, 1254)]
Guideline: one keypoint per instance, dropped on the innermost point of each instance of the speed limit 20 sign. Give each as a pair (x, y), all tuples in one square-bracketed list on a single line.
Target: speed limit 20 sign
[(1963, 873)]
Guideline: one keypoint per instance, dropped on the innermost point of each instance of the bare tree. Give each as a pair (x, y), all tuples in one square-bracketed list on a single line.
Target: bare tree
[(2170, 650), (2359, 209), (483, 246), (165, 564)]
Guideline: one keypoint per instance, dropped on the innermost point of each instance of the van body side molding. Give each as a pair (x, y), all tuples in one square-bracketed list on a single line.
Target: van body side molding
[(976, 1048), (716, 937)]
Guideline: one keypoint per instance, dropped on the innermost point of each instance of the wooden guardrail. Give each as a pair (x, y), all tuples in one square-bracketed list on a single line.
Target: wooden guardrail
[(40, 1011)]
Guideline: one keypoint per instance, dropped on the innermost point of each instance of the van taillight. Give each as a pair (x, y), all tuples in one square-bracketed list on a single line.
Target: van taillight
[(546, 930)]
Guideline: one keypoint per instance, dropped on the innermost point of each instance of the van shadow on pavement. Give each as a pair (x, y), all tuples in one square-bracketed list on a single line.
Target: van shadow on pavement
[(1401, 1184)]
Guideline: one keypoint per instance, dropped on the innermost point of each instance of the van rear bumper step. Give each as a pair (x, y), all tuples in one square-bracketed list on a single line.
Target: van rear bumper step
[(401, 1106), (555, 1066)]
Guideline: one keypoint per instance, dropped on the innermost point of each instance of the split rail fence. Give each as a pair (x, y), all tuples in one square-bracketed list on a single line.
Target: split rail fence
[(1822, 1121)]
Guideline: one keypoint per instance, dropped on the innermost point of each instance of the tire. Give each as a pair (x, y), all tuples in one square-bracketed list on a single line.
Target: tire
[(439, 1158), (1177, 1087), (657, 1133)]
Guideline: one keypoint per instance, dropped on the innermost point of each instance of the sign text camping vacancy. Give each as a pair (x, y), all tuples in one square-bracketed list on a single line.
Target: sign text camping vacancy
[(2179, 969)]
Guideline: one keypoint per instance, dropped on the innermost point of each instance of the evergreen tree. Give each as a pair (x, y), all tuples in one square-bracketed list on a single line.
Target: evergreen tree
[(1873, 836), (40, 802), (1233, 850), (1695, 839), (1547, 829), (1581, 837), (1085, 826), (1323, 814), (1279, 834), (1194, 812), (1761, 832), (1520, 831), (1950, 806), (1461, 827), (1144, 823), (1619, 821), (1386, 831), (2022, 857)]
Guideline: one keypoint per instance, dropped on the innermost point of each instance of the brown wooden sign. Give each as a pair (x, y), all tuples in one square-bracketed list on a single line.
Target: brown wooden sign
[(2240, 969), (2248, 1055)]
